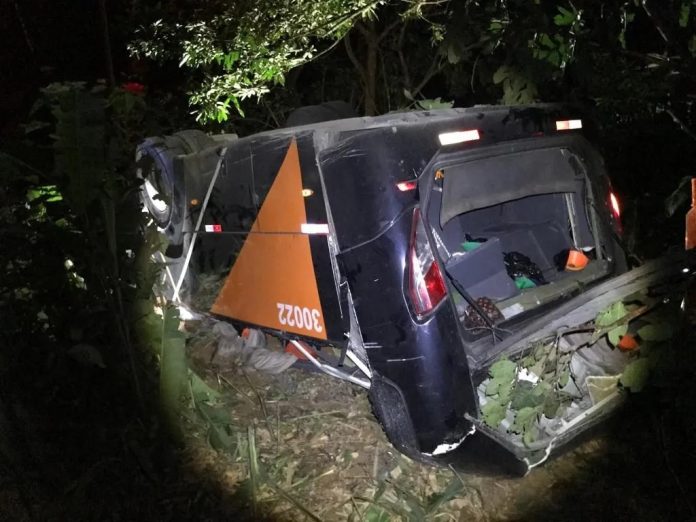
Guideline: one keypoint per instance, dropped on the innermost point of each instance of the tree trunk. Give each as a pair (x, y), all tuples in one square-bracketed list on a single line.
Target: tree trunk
[(371, 70)]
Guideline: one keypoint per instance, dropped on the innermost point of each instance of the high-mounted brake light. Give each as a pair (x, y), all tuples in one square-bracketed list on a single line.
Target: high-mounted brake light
[(213, 228), (562, 125), (426, 286), (450, 138), (314, 228), (405, 186)]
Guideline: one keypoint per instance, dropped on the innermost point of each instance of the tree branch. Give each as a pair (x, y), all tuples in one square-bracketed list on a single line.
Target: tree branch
[(400, 51), (680, 123), (435, 68), (655, 21), (388, 30), (354, 60)]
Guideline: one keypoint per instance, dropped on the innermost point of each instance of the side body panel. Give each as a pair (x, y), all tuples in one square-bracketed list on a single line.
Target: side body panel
[(426, 360)]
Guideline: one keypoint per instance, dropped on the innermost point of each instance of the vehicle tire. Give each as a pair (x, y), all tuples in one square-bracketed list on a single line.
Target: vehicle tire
[(163, 196), (195, 140), (327, 111), (162, 191)]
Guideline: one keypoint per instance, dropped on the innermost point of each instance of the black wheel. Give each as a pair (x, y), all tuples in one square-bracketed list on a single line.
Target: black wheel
[(162, 189), (327, 111), (163, 195)]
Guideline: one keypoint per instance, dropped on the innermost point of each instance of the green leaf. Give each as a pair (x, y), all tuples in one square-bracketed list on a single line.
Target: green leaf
[(545, 40), (656, 332), (692, 45), (551, 405), (611, 314), (564, 378), (452, 490), (635, 375), (524, 418), (500, 74), (503, 370), (565, 17), (219, 438), (493, 413), (527, 394), (615, 334), (505, 391), (200, 390), (684, 14), (376, 514), (173, 368), (452, 53), (434, 104), (530, 436)]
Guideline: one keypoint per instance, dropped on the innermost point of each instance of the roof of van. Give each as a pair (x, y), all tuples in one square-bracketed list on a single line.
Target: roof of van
[(404, 118)]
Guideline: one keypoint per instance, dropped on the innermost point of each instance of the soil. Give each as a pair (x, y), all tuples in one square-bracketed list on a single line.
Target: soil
[(303, 446), (319, 444)]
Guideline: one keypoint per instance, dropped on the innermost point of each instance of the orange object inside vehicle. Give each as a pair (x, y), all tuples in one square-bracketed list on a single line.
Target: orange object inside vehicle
[(577, 260)]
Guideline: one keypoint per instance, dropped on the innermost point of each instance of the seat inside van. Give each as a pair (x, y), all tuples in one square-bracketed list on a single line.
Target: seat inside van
[(507, 228)]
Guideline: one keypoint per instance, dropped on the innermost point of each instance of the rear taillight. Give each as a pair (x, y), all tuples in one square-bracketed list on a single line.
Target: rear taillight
[(615, 208), (426, 286), (614, 204)]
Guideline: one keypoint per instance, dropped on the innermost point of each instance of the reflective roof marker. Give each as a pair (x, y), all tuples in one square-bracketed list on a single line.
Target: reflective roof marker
[(568, 125), (405, 186), (450, 138), (314, 228)]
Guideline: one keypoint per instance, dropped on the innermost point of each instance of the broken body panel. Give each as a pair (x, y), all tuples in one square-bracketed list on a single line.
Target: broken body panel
[(308, 233)]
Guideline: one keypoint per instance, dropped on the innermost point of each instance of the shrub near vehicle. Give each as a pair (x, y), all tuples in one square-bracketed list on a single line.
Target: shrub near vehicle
[(423, 247)]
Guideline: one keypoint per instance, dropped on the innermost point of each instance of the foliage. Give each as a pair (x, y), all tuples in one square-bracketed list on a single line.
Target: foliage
[(74, 196), (243, 49), (535, 385)]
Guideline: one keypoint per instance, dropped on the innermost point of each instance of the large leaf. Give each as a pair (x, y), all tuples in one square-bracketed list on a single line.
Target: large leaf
[(611, 314), (615, 334), (452, 490), (656, 332), (503, 369), (493, 413), (635, 375), (502, 376), (173, 367), (79, 142)]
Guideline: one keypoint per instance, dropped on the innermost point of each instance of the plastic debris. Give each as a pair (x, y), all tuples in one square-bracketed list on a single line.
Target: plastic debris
[(250, 351), (519, 265), (523, 282)]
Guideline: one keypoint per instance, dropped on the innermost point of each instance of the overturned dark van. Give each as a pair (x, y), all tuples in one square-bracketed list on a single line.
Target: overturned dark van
[(457, 260)]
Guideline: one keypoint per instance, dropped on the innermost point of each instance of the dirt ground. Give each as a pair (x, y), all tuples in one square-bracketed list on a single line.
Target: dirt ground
[(306, 446), (302, 446)]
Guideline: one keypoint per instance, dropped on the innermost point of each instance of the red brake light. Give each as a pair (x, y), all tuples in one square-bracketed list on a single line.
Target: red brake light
[(426, 286)]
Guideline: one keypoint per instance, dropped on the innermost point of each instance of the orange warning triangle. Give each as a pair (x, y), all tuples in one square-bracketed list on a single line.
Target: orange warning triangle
[(272, 282)]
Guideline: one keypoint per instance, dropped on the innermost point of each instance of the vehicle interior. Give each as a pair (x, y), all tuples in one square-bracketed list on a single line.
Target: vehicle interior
[(516, 230)]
